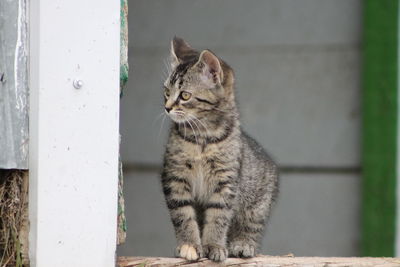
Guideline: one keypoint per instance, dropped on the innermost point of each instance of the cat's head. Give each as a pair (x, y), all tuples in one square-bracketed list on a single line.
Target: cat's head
[(199, 85)]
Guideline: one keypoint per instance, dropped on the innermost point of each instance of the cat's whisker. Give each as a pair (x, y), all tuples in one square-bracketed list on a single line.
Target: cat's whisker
[(184, 135), (183, 114), (224, 111), (207, 133), (157, 118), (161, 127), (198, 128), (194, 132), (202, 124)]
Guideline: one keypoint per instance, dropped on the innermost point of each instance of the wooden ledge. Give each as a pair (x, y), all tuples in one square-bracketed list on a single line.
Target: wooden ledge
[(267, 261)]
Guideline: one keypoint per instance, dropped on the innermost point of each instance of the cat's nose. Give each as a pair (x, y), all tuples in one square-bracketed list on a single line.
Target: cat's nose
[(168, 109)]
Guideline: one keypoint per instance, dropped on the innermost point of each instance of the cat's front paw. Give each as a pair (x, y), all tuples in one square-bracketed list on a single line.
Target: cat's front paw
[(215, 252), (190, 252), (241, 249)]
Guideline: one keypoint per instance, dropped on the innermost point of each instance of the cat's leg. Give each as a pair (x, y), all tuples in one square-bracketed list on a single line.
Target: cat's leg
[(217, 217), (244, 236), (180, 203), (247, 228)]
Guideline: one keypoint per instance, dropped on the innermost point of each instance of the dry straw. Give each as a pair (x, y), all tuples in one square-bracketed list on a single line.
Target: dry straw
[(13, 217)]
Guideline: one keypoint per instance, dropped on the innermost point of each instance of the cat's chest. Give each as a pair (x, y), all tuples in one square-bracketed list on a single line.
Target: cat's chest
[(198, 180), (199, 175)]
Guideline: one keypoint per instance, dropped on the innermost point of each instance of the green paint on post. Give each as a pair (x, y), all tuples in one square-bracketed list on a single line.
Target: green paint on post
[(379, 127), (124, 67)]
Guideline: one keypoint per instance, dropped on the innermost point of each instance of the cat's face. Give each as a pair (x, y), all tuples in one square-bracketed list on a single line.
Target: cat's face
[(193, 89)]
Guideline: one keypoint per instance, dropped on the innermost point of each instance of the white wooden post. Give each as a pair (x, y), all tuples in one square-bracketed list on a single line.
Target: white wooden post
[(73, 158)]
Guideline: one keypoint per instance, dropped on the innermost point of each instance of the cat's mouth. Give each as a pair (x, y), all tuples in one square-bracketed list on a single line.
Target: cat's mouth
[(177, 116)]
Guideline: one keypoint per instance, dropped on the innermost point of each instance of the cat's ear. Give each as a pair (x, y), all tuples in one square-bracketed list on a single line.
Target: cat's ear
[(179, 48), (211, 70)]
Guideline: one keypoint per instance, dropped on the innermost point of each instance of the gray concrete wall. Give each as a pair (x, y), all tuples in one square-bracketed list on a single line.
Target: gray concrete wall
[(297, 65)]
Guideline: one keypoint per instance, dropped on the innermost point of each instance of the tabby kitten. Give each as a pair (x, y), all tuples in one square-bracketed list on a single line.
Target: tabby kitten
[(218, 183)]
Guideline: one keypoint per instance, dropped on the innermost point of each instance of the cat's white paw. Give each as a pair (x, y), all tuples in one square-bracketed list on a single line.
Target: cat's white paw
[(188, 252)]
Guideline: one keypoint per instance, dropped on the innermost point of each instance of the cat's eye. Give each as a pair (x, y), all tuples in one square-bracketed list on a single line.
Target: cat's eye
[(167, 92), (185, 95)]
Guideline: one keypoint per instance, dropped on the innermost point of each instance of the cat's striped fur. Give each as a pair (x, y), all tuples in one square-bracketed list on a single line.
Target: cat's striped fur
[(219, 184)]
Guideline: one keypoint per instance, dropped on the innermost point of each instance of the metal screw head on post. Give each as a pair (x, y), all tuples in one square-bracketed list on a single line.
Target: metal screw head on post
[(78, 84)]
